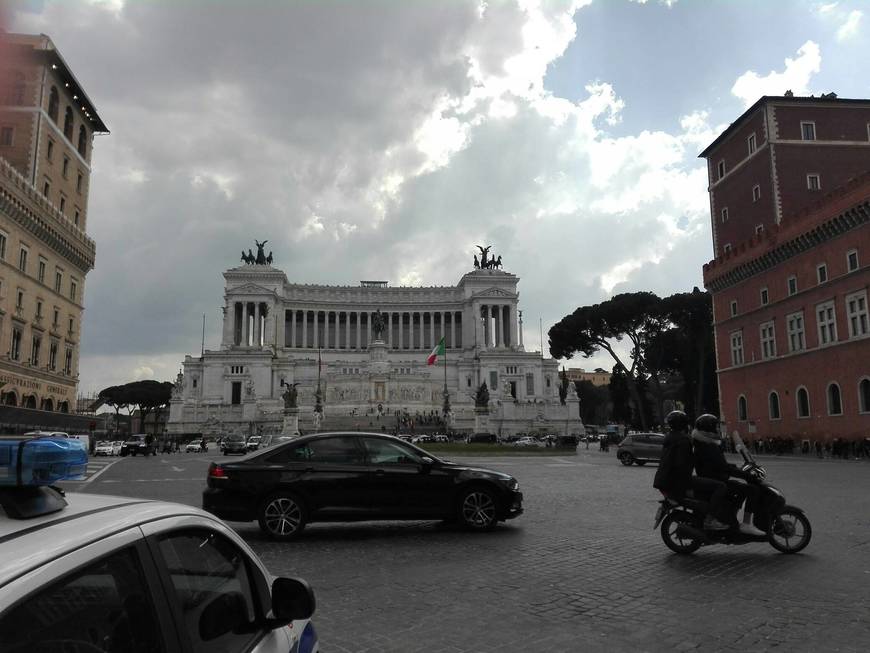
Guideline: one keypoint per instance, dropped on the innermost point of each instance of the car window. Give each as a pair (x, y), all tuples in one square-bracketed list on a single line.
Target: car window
[(104, 607), (211, 580), (384, 452), (340, 450)]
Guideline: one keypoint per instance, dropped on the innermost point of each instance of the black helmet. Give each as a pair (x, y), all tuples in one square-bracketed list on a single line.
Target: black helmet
[(677, 420), (708, 424)]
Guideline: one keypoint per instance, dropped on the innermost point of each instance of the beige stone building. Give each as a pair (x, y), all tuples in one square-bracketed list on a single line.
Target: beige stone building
[(579, 374), (47, 124)]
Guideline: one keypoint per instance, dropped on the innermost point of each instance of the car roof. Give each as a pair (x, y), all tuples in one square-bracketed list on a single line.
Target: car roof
[(26, 544)]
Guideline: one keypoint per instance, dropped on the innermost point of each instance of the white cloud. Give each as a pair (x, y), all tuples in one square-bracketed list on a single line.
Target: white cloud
[(849, 29), (796, 77), (827, 8)]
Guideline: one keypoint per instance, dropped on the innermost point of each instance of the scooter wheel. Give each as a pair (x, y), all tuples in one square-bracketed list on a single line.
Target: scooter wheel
[(789, 531), (673, 540)]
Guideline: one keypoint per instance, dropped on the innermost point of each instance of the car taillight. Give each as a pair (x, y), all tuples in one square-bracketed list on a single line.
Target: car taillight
[(216, 471)]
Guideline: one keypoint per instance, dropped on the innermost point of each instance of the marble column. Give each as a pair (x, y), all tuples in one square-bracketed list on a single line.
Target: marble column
[(390, 330), (487, 326), (401, 328), (347, 329), (316, 341), (496, 318), (293, 328), (453, 329)]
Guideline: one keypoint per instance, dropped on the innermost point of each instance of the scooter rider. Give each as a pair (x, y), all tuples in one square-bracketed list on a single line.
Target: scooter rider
[(710, 463), (674, 475)]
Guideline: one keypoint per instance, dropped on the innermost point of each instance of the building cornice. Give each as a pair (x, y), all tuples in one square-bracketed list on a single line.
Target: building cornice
[(833, 228), (55, 230)]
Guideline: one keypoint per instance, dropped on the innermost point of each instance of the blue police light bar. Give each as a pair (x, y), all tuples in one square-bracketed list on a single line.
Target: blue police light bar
[(33, 462)]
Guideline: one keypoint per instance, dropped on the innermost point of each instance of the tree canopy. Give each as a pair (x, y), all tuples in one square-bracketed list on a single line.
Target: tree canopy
[(148, 395)]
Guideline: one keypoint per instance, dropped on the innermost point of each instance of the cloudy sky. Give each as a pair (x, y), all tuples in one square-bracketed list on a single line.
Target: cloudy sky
[(383, 140)]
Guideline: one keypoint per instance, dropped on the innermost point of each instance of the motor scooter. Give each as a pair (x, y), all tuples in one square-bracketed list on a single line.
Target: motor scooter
[(786, 528)]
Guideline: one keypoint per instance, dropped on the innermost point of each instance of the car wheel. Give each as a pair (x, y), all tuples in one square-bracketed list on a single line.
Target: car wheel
[(626, 458), (282, 516), (478, 509)]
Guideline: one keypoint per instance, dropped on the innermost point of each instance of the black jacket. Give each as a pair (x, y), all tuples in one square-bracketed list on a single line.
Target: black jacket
[(674, 475), (710, 462)]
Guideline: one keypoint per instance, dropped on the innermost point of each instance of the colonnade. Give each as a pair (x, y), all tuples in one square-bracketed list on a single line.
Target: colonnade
[(253, 325), (417, 330)]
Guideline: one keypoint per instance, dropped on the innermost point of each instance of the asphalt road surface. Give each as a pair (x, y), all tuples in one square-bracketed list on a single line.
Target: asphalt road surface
[(581, 570)]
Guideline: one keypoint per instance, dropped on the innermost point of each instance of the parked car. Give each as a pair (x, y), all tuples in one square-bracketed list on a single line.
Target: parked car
[(89, 572), (104, 449), (476, 438), (235, 444), (116, 447), (422, 438), (139, 443), (254, 442), (193, 447), (355, 476), (640, 448), (528, 442)]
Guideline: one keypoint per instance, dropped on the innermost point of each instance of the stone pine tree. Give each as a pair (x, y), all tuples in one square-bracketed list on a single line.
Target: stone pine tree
[(634, 316)]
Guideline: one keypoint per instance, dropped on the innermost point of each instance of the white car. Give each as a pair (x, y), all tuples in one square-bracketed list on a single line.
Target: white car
[(88, 572), (192, 447), (116, 448), (528, 442), (104, 449)]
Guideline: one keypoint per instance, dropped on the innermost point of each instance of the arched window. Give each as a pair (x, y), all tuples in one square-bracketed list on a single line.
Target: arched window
[(48, 404), (83, 141), (773, 405), (835, 404), (30, 402), (68, 123), (15, 91), (9, 399), (803, 402), (742, 409), (53, 102), (864, 395), (63, 407)]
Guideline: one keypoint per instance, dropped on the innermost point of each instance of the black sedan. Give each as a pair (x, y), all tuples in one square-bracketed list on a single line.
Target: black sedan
[(355, 477)]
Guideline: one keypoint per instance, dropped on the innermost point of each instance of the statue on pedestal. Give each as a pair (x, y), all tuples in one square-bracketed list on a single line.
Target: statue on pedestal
[(379, 324), (481, 397), (289, 395)]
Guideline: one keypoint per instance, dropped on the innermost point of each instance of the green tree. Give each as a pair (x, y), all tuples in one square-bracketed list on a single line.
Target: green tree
[(635, 316), (593, 402), (115, 397)]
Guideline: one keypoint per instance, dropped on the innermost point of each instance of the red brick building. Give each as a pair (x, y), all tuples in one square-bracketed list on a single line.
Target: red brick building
[(790, 211)]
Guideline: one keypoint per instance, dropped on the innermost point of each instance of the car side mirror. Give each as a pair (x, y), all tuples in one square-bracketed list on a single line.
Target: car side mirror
[(224, 614), (426, 464), (292, 598)]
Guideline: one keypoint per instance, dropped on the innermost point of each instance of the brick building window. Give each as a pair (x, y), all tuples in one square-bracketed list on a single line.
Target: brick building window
[(83, 142), (808, 131), (751, 143), (792, 285), (742, 409), (764, 297), (835, 401), (768, 340), (852, 260), (726, 248), (6, 136), (53, 103), (65, 169), (822, 272), (795, 324), (864, 396), (62, 203), (737, 348), (813, 182), (773, 406), (756, 193), (34, 350), (724, 214), (827, 322), (40, 274), (58, 280), (530, 384), (22, 260), (46, 188), (733, 307), (759, 229), (856, 313), (67, 361), (720, 169), (79, 183), (49, 150), (802, 398), (68, 123), (236, 392), (2, 246)]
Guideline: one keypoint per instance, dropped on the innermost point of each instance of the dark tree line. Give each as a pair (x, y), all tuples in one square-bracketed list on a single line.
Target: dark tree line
[(671, 357), (148, 396)]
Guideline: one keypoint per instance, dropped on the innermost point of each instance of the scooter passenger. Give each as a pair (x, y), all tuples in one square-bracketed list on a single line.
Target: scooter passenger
[(710, 463), (674, 475)]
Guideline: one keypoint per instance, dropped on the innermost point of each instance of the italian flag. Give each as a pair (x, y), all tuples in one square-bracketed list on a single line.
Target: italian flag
[(436, 352)]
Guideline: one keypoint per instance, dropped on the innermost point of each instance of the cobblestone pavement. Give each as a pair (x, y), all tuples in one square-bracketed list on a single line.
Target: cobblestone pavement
[(581, 570)]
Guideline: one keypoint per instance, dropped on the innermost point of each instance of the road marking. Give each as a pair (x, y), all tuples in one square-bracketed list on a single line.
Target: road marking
[(177, 469), (150, 480), (104, 468)]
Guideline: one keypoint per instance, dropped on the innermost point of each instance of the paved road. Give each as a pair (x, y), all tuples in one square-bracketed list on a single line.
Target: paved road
[(581, 570)]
